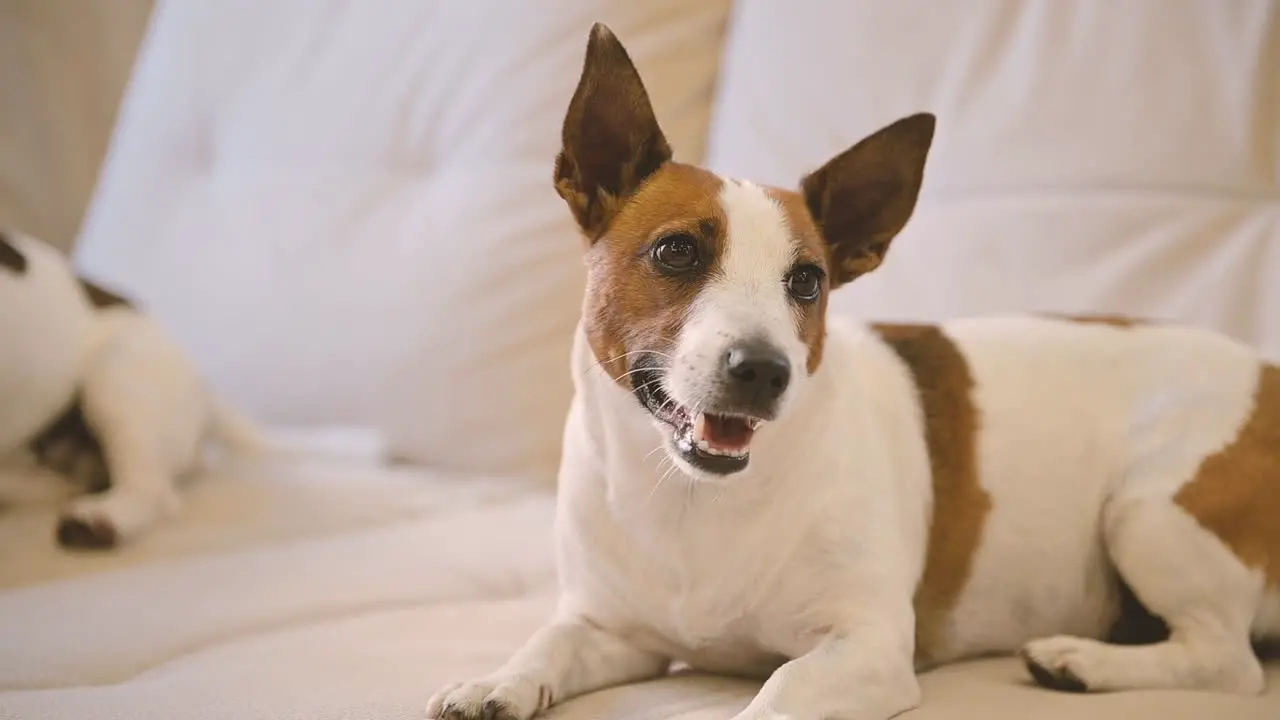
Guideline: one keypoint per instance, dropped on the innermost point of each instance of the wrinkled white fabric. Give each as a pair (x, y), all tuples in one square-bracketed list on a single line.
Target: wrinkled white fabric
[(1091, 156), (345, 211)]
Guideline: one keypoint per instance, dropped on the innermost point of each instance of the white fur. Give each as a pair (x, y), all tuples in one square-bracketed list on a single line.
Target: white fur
[(804, 565), (146, 404), (745, 299), (151, 412), (44, 335)]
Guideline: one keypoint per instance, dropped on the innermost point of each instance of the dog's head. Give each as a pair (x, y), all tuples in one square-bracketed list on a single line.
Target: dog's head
[(706, 296)]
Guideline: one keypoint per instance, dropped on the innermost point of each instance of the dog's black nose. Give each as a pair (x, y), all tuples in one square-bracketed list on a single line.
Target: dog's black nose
[(758, 372)]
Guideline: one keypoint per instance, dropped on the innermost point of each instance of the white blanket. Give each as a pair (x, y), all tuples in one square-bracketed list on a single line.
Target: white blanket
[(327, 587)]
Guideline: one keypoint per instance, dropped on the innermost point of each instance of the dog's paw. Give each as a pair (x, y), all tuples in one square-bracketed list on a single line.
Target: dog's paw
[(92, 533), (1063, 663), (103, 521), (495, 698)]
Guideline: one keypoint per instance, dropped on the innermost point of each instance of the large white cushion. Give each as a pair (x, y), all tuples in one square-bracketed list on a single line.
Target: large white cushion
[(344, 210), (1090, 155)]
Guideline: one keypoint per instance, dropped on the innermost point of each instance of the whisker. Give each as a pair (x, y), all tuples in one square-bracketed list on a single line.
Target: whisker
[(688, 496), (629, 353), (651, 452), (651, 382), (662, 478), (599, 364), (716, 498)]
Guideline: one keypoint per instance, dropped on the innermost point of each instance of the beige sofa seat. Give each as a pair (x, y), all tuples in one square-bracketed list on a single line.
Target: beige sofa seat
[(344, 210)]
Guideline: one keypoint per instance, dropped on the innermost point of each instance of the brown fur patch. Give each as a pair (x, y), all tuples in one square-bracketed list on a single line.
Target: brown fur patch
[(631, 305), (1236, 492), (1120, 321), (101, 297), (811, 323), (960, 503), (69, 447), (10, 258)]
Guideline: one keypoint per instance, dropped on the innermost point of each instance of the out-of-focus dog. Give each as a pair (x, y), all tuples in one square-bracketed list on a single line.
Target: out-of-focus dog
[(99, 407)]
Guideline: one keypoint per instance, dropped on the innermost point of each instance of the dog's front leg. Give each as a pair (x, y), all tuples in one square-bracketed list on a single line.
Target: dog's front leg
[(855, 674), (564, 659)]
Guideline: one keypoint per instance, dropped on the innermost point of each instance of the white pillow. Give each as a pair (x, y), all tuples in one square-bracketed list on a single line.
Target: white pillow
[(1090, 155), (345, 211)]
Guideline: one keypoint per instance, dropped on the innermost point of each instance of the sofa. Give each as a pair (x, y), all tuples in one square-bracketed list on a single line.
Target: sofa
[(343, 210)]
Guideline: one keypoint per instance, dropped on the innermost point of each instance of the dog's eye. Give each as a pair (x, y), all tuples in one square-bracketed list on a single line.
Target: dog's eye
[(677, 252), (805, 283)]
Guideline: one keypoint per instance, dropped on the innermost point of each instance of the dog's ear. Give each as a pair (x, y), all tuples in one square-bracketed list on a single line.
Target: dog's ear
[(864, 196), (611, 139)]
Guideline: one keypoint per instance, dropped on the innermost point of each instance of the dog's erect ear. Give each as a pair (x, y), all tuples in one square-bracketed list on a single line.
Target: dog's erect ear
[(864, 196), (611, 139)]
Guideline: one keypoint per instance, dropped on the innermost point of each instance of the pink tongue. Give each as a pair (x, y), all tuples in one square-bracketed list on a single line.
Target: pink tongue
[(725, 433)]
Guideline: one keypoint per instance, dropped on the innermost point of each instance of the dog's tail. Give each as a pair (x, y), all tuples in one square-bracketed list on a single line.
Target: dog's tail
[(233, 431)]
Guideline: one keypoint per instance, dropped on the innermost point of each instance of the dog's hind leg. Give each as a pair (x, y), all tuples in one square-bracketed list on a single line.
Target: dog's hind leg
[(1185, 575), (1192, 530), (147, 409)]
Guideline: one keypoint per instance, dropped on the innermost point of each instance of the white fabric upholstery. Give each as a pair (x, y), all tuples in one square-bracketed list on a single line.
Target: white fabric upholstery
[(1090, 155), (318, 537), (324, 201), (321, 585), (345, 210)]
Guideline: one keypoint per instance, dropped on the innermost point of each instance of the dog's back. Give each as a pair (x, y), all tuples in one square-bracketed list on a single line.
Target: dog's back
[(1068, 454)]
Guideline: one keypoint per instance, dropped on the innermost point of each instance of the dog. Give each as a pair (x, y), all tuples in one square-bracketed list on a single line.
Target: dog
[(103, 410), (837, 507)]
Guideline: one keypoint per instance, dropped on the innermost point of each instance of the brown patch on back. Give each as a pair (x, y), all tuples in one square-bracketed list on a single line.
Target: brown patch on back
[(10, 258), (960, 503), (1119, 321), (630, 304), (101, 297), (811, 323), (1236, 492)]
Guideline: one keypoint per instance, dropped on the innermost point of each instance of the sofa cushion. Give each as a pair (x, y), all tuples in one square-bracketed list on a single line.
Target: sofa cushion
[(1090, 155), (345, 211)]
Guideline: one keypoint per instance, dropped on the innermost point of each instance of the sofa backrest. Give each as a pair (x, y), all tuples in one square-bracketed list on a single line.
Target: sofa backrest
[(1090, 155), (345, 211)]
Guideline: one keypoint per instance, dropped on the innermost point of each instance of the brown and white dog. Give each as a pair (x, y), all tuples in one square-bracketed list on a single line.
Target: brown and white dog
[(98, 405), (839, 506)]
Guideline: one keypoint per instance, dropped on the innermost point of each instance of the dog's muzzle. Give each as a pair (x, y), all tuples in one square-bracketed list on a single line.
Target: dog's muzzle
[(716, 436), (755, 376)]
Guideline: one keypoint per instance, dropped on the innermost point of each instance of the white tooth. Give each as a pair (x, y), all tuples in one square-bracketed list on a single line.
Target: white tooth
[(753, 424), (706, 447), (700, 428)]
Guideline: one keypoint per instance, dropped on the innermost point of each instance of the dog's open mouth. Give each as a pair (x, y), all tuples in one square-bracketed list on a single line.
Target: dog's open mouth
[(717, 443)]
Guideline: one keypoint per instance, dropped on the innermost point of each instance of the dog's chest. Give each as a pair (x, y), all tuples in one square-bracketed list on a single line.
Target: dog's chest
[(722, 598), (711, 614)]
